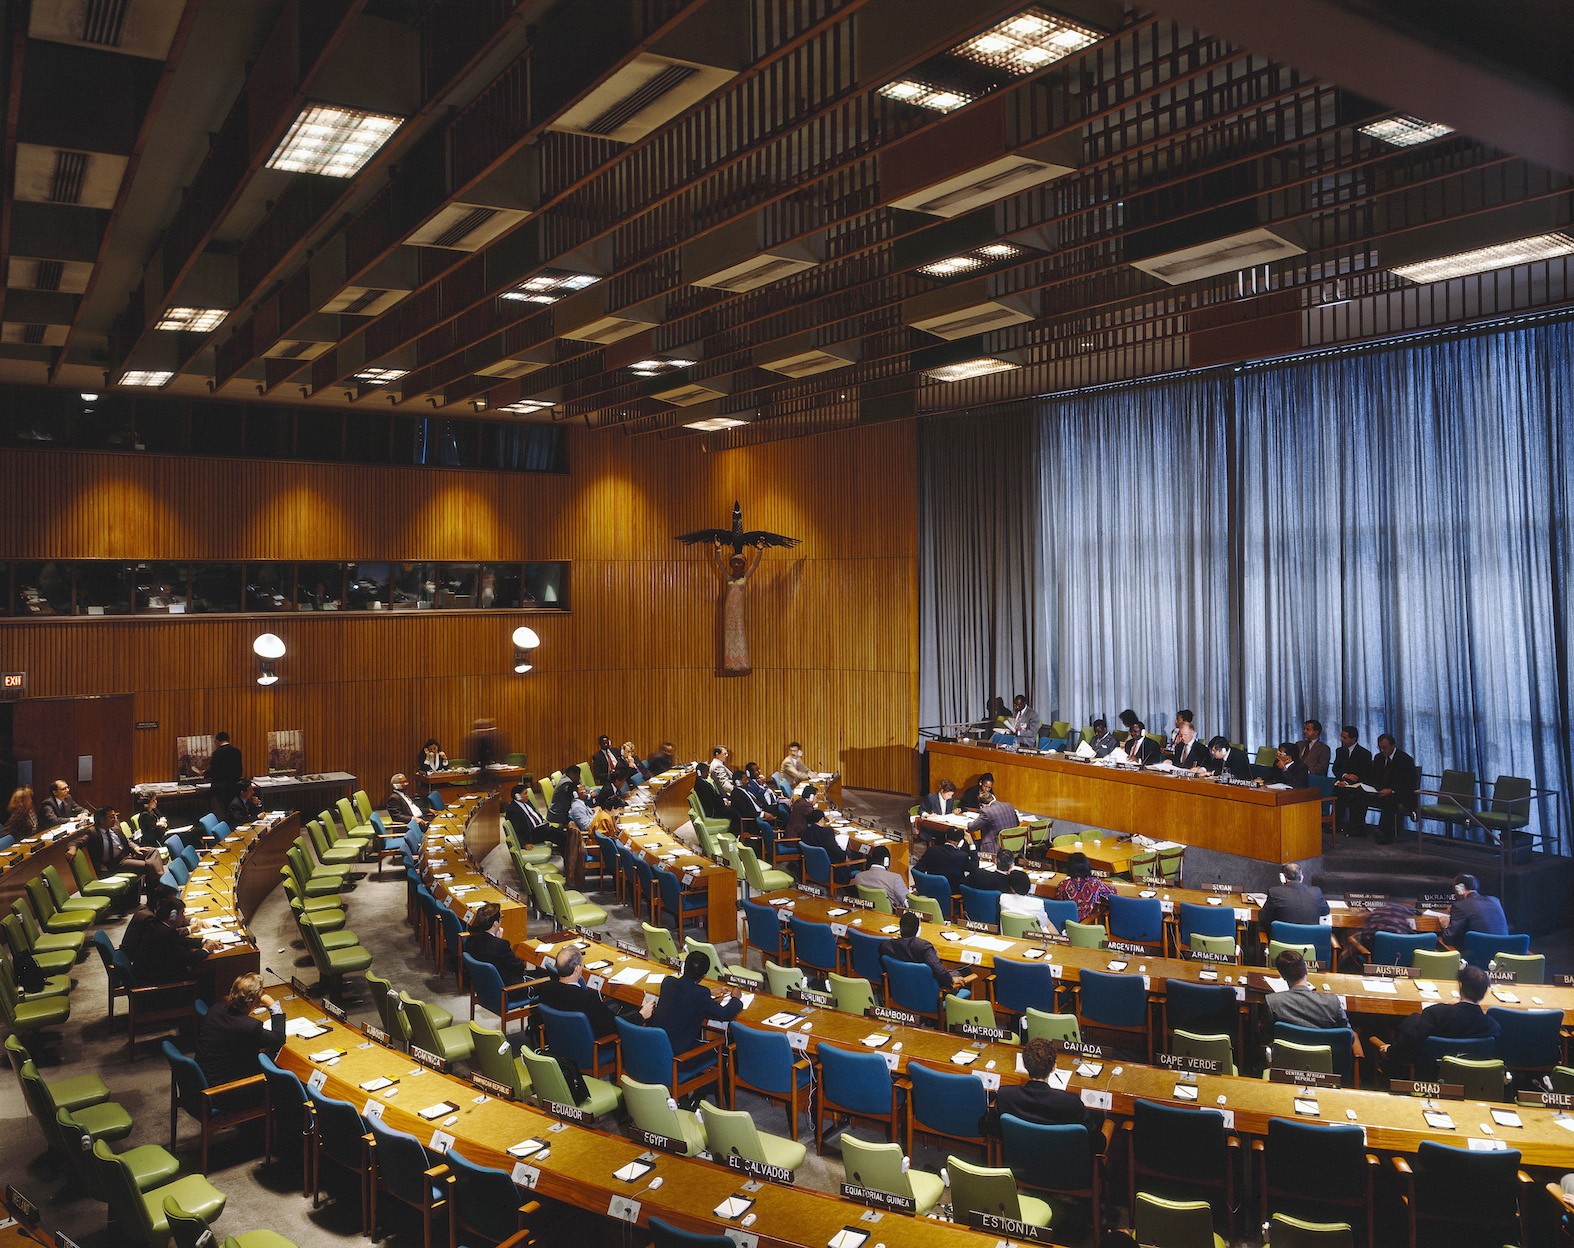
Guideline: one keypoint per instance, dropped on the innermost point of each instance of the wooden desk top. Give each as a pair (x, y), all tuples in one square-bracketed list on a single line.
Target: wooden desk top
[(579, 1167)]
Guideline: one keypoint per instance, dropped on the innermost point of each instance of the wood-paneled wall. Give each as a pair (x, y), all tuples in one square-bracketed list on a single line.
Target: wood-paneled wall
[(833, 624)]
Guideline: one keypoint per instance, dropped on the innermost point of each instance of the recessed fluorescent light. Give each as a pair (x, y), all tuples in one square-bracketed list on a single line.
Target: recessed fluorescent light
[(1031, 40), (379, 376), (196, 320), (1485, 259), (715, 424), (333, 141), (649, 368), (144, 377), (981, 367), (1405, 131), (911, 91), (523, 406), (966, 262), (550, 286)]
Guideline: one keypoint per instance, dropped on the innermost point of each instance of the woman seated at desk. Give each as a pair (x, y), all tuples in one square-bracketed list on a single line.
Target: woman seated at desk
[(1080, 886)]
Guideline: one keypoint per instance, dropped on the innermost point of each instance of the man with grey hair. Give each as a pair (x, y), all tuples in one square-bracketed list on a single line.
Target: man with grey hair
[(569, 994), (1292, 900)]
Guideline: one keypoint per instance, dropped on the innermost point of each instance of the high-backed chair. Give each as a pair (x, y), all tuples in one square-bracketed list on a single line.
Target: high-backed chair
[(732, 1132), (1311, 1168), (947, 1104), (550, 1084), (651, 1108), (1115, 1002), (338, 1131), (1481, 1193), (984, 1189), (398, 1164), (191, 1230), (288, 1121), (1185, 1149), (450, 1041), (646, 1054), (214, 1108), (484, 1203), (138, 1213), (856, 1083), (814, 946), (1058, 1160), (884, 1168), (763, 1062), (569, 1034)]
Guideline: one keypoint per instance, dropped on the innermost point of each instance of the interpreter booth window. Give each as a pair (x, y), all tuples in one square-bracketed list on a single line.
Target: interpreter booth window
[(161, 588), (41, 589), (103, 589), (215, 587), (319, 586), (546, 585), (366, 586), (415, 586), (270, 587)]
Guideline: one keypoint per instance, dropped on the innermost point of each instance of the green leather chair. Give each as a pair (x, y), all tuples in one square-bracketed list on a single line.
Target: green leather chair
[(72, 1093), (729, 1131), (495, 1058), (190, 1230), (334, 964), (34, 1014), (63, 899), (50, 916), (651, 1108), (39, 942), (138, 1212), (328, 853), (90, 884), (567, 913), (883, 1168), (452, 1042), (546, 1077)]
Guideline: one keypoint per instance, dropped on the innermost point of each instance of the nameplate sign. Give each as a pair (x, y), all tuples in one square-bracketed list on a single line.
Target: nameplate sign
[(759, 1170), (1503, 977), (1365, 901), (513, 895), (862, 903), (1551, 1100), (1198, 1065), (738, 981), (373, 1032), (809, 997), (879, 1200), (1436, 901), (623, 946), (1304, 1078), (334, 1011), (1224, 890), (62, 1240), (1379, 970), (973, 925), (1009, 1227), (1205, 955), (663, 1142), (568, 1113), (979, 1032), (1422, 1087), (1126, 946), (1077, 1047), (813, 890), (492, 1087), (429, 1060), (891, 1014), (1097, 875), (1044, 938), (24, 1209)]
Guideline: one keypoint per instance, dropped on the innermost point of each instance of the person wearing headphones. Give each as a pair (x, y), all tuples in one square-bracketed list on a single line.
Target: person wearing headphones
[(1473, 911), (1292, 900)]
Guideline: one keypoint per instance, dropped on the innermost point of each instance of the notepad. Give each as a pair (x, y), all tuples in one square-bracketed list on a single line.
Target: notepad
[(1503, 994), (732, 1207), (325, 1055), (1089, 1070), (378, 1084), (1304, 1106), (1437, 1120), (1185, 1092), (1384, 986), (964, 1057), (303, 1029), (438, 1110), (526, 1147), (876, 1040), (1506, 1118), (782, 1019), (634, 1171), (629, 975)]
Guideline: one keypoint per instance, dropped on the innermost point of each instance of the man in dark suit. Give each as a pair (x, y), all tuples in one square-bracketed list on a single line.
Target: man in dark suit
[(997, 880), (941, 802), (1036, 1101), (685, 1003), (224, 773), (160, 950), (110, 852), (910, 947), (59, 807), (742, 808), (820, 834), (1473, 911), (1301, 1005), (1287, 769), (1312, 750), (1188, 752), (994, 819), (1138, 748), (1292, 900), (609, 769), (949, 859), (1393, 774), (486, 943), (660, 761), (244, 806), (1454, 1020), (1228, 761), (231, 1036), (403, 807), (522, 815), (798, 813), (568, 993), (1104, 742), (1350, 766), (973, 796)]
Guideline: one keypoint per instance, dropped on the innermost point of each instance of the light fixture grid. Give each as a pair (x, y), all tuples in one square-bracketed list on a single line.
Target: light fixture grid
[(967, 261), (145, 377), (332, 141), (1485, 259), (714, 424), (984, 366), (1027, 42), (524, 406), (1405, 130), (926, 95), (194, 320), (550, 285), (379, 376)]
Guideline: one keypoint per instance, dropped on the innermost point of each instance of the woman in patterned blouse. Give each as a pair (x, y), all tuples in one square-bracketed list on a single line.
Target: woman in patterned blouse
[(1080, 886)]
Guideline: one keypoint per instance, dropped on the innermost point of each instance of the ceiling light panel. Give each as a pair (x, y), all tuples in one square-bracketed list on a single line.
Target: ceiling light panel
[(193, 320), (971, 261), (649, 368), (926, 95), (1485, 259), (1027, 42), (550, 285), (144, 377), (715, 424), (1221, 255), (524, 407), (1405, 131), (333, 141), (379, 376), (961, 371)]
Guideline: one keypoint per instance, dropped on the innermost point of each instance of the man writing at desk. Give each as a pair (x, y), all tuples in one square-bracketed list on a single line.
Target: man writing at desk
[(1292, 900), (1301, 1005), (941, 802), (1187, 752), (1228, 761)]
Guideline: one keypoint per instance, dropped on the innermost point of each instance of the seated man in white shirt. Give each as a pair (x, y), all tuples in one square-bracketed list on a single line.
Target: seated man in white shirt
[(719, 773), (1019, 899)]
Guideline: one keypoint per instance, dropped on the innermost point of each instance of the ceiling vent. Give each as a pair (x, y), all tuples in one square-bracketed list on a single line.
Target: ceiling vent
[(32, 334), (1222, 255), (963, 310), (296, 349), (135, 27), (688, 395), (460, 226), (68, 277), (641, 96), (761, 270), (733, 257), (607, 329), (48, 175), (809, 360), (1010, 175)]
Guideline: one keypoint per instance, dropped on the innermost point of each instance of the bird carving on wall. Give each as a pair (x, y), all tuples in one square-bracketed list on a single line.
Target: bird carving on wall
[(734, 576), (739, 539)]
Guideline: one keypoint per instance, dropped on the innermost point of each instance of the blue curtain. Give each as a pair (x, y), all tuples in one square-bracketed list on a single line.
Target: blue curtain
[(1377, 538)]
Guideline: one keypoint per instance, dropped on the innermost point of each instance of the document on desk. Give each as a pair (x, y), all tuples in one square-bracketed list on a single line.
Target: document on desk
[(1275, 786), (629, 975), (1162, 765), (987, 942), (1385, 986)]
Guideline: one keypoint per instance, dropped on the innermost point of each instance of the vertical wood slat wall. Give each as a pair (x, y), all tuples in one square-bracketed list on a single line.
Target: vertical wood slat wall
[(833, 623)]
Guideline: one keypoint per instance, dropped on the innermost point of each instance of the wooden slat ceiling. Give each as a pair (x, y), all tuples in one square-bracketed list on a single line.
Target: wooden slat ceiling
[(654, 147)]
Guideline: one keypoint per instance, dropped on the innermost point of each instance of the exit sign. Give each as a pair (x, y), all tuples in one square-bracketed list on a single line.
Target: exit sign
[(12, 683)]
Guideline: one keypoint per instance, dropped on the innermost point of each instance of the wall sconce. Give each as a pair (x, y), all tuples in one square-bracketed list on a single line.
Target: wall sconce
[(269, 649), (525, 639)]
